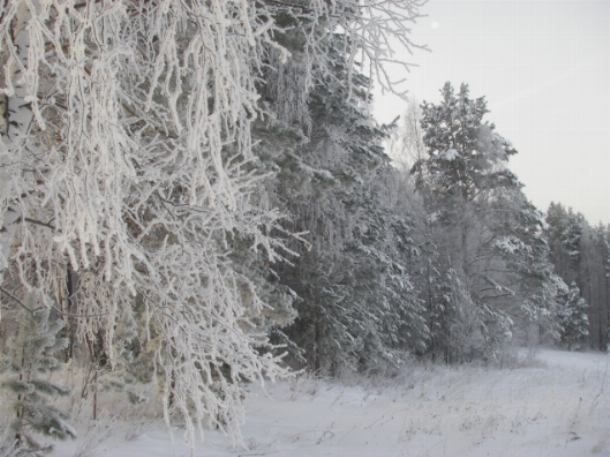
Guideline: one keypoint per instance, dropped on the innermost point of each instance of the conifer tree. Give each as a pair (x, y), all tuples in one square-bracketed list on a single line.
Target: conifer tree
[(335, 277), (356, 305), (573, 319), (489, 233), (579, 253), (36, 354)]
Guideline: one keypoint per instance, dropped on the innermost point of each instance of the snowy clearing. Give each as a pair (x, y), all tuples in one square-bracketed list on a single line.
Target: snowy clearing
[(558, 405)]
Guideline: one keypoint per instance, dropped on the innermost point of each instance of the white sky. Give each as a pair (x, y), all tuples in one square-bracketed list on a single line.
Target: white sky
[(544, 67)]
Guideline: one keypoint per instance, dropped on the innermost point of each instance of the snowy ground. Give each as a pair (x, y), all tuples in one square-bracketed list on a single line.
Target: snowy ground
[(556, 406)]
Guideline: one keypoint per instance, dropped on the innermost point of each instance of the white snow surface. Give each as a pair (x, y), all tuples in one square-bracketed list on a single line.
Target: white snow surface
[(557, 404)]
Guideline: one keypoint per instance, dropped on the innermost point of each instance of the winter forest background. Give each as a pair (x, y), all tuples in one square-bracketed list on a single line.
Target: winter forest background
[(195, 196)]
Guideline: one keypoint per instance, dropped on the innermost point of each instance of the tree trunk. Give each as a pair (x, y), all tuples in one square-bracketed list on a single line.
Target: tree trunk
[(72, 311)]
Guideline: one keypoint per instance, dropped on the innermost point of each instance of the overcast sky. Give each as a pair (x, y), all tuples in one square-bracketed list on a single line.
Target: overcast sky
[(544, 67)]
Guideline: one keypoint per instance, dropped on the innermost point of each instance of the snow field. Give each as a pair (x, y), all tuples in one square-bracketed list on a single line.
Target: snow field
[(556, 405)]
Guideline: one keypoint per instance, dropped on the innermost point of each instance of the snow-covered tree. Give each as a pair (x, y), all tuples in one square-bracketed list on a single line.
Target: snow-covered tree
[(350, 277), (579, 253), (406, 144), (323, 188), (490, 235), (565, 229), (573, 319), (127, 167), (129, 149), (594, 283), (35, 354), (526, 255)]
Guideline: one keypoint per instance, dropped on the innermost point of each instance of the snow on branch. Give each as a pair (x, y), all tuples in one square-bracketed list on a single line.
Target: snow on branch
[(128, 129)]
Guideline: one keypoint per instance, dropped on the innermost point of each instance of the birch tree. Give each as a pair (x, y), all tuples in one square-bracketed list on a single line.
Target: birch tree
[(127, 168)]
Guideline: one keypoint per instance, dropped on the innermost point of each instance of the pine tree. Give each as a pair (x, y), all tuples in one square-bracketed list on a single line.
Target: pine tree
[(491, 236)]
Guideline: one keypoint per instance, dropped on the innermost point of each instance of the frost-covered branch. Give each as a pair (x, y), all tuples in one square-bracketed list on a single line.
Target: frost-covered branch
[(128, 126)]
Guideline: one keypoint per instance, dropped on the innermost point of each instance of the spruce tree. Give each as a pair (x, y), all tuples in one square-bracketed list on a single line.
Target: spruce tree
[(356, 308), (573, 319), (36, 354)]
